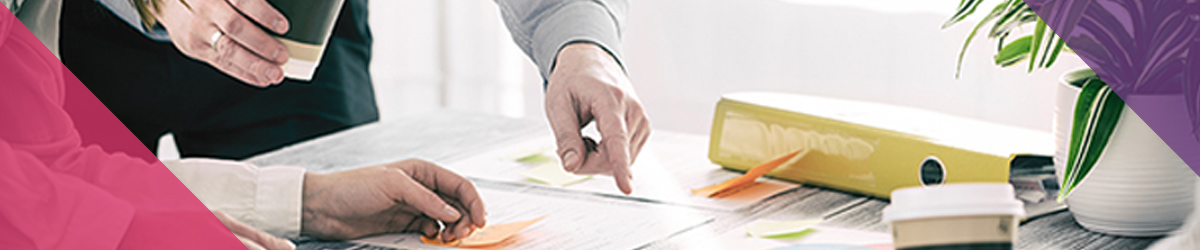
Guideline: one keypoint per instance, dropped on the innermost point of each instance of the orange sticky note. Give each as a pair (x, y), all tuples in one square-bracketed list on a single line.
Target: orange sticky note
[(732, 185), (487, 236)]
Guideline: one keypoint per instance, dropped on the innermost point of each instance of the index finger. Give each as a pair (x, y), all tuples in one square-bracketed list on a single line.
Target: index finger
[(615, 144), (451, 185), (262, 13), (244, 32)]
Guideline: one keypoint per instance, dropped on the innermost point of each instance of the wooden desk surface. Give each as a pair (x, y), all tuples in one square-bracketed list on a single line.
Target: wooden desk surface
[(446, 136)]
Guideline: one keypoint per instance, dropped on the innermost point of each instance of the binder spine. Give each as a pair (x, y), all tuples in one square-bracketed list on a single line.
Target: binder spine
[(852, 157)]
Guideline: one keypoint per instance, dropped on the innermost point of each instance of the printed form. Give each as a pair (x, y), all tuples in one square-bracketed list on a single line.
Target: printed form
[(668, 167), (570, 223)]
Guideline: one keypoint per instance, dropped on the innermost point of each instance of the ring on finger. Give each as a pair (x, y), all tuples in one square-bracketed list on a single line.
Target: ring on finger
[(216, 36)]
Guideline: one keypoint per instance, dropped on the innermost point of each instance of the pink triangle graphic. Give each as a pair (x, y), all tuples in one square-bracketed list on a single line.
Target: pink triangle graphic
[(61, 184)]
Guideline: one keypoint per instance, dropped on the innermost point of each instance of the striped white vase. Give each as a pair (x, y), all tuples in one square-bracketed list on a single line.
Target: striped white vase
[(1139, 186)]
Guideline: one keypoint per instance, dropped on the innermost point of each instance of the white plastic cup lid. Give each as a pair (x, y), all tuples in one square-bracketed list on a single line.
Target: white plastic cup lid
[(961, 199)]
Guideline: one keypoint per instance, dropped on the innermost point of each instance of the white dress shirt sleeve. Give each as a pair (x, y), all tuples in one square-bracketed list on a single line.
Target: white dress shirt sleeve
[(266, 198)]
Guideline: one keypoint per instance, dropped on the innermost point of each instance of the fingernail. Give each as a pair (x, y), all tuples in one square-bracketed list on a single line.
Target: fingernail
[(277, 55), (273, 73), (452, 212), (571, 160), (289, 243), (280, 25)]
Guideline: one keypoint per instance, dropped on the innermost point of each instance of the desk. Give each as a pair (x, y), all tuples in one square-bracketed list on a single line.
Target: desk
[(447, 136)]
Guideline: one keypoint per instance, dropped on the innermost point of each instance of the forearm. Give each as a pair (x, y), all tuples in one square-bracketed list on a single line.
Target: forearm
[(46, 208), (542, 28)]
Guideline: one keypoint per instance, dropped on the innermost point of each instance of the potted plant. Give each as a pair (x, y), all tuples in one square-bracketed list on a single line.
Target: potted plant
[(1117, 176)]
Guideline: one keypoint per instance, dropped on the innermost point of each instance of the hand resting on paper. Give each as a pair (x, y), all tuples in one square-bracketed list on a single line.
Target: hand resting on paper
[(226, 35), (588, 85), (399, 197)]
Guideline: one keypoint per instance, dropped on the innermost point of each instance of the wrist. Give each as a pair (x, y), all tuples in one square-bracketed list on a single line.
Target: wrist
[(310, 215), (584, 55)]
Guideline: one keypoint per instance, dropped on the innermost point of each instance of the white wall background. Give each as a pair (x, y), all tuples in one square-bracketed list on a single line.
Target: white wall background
[(432, 54), (683, 54)]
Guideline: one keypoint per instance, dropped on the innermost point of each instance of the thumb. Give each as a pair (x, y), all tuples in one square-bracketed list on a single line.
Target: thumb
[(564, 121), (418, 196)]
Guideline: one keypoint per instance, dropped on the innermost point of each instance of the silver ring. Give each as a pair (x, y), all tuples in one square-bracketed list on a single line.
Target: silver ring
[(213, 41)]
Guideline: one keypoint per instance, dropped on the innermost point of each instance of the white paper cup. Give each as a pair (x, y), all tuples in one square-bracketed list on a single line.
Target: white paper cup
[(312, 23), (954, 216)]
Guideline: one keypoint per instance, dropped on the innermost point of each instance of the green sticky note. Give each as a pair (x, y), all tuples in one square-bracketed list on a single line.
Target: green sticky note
[(537, 158), (554, 175), (781, 229)]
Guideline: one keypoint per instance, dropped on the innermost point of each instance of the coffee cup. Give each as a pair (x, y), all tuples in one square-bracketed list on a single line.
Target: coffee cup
[(954, 216), (312, 23)]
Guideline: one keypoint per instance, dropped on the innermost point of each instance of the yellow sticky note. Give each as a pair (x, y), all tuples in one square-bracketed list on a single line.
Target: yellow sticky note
[(487, 236), (554, 175), (770, 229), (735, 184)]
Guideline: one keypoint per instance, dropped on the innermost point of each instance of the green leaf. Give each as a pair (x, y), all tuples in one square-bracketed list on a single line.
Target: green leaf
[(999, 9), (1097, 113), (1058, 49), (1053, 45), (1038, 32), (1078, 77), (1014, 52), (1014, 15), (965, 8)]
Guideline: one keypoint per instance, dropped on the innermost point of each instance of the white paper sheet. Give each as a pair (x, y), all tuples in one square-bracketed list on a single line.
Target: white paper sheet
[(669, 165), (570, 223), (820, 235)]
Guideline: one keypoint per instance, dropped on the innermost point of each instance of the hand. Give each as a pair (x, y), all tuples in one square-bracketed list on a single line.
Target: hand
[(587, 84), (243, 51), (405, 196), (254, 239)]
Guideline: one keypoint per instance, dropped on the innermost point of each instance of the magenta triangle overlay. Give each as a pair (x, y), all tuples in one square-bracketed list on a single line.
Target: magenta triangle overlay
[(62, 184), (1145, 50)]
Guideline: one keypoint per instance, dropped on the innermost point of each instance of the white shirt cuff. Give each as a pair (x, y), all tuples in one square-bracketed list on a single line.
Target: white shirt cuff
[(280, 190), (267, 199)]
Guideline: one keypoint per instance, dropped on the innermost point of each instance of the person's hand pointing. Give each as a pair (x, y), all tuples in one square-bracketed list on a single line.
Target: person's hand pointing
[(226, 35), (588, 85)]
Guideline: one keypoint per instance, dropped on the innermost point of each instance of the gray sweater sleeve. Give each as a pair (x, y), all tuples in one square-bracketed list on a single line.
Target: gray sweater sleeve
[(542, 27)]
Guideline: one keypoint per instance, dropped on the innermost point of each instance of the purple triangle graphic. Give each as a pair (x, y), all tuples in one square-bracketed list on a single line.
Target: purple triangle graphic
[(1141, 48)]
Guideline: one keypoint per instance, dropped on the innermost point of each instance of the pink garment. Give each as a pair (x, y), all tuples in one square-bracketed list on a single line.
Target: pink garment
[(56, 192)]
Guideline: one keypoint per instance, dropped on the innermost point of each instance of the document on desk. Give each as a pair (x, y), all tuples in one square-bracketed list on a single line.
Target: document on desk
[(816, 237), (570, 222), (668, 167)]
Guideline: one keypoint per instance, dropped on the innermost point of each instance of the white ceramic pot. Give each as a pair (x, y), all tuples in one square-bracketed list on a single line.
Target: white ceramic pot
[(1139, 186)]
